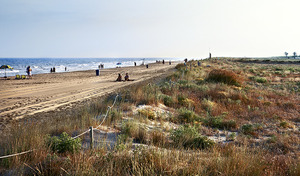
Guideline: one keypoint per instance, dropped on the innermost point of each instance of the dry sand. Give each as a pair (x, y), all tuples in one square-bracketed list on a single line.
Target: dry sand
[(48, 92)]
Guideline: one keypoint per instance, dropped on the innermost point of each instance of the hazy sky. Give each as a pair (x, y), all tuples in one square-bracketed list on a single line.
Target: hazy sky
[(148, 28)]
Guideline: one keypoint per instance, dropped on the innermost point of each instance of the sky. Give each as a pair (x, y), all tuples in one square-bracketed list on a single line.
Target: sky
[(149, 28)]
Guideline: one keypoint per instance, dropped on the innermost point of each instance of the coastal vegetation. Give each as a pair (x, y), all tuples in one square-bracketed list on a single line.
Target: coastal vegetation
[(226, 116)]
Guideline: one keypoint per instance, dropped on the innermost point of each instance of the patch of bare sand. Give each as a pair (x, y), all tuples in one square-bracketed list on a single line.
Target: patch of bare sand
[(48, 92)]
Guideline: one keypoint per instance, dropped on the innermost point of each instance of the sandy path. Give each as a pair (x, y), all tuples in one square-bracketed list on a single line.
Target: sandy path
[(46, 92)]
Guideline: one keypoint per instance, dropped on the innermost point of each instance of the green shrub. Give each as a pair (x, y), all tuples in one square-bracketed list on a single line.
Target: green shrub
[(292, 69), (168, 100), (188, 137), (224, 76), (220, 123), (129, 128), (258, 79), (186, 116), (261, 80), (147, 113), (182, 82), (247, 129), (194, 87), (181, 99), (207, 104), (231, 137), (251, 70), (121, 145), (278, 72), (114, 115), (63, 143), (165, 86), (279, 69), (284, 124)]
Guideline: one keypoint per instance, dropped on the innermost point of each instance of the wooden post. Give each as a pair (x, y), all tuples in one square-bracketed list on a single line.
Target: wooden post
[(91, 138)]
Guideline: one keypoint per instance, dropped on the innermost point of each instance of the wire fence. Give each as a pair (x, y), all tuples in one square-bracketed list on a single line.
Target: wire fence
[(29, 151)]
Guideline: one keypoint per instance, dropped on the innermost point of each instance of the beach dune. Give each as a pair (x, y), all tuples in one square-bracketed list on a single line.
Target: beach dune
[(47, 92)]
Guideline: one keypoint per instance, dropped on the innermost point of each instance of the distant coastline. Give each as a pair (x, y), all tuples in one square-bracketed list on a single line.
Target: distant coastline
[(43, 65)]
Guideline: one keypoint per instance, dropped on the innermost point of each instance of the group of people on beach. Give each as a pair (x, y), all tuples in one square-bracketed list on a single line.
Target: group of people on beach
[(163, 62), (52, 70), (101, 66), (126, 78)]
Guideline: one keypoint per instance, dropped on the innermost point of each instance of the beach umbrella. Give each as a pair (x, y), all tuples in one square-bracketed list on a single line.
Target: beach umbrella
[(6, 67)]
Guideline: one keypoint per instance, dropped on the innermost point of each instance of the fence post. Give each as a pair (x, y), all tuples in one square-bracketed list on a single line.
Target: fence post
[(91, 138)]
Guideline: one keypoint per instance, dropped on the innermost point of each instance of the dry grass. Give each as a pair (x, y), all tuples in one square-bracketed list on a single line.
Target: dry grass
[(225, 76), (269, 145)]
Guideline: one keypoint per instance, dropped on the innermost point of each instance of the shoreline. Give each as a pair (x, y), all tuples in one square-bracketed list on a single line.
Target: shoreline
[(51, 91), (91, 70), (41, 67)]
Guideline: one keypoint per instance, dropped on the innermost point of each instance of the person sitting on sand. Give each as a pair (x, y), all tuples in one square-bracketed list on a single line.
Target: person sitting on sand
[(119, 78), (126, 77)]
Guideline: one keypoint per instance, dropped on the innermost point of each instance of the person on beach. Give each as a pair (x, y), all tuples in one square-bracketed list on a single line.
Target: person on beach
[(119, 78), (126, 77), (65, 68), (28, 70), (169, 62), (135, 64), (163, 61), (51, 70)]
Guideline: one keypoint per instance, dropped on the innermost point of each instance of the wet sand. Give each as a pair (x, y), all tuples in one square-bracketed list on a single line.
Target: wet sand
[(48, 92)]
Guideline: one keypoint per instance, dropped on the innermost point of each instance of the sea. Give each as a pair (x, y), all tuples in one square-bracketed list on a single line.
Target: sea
[(43, 65)]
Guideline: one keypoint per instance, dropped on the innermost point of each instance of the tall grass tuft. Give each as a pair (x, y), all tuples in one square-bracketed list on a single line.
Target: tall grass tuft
[(188, 137), (224, 76)]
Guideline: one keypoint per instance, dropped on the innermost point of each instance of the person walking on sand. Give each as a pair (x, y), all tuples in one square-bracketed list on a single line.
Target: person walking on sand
[(119, 78)]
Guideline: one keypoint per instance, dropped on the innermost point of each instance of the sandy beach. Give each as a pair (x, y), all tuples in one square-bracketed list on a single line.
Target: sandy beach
[(48, 92)]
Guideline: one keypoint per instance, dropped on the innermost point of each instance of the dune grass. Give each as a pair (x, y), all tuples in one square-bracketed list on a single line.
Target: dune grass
[(202, 101)]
